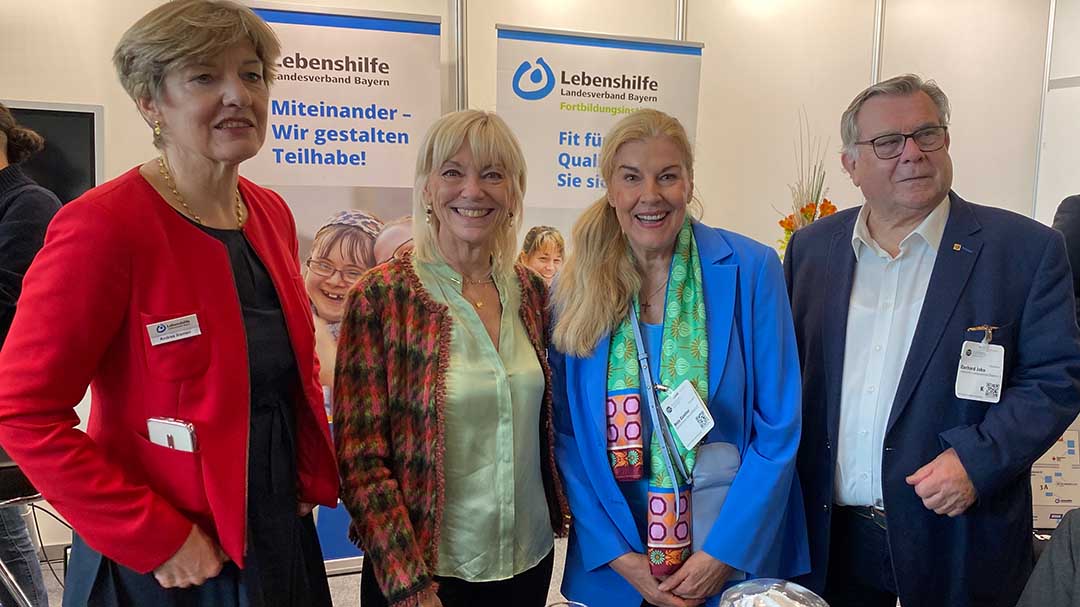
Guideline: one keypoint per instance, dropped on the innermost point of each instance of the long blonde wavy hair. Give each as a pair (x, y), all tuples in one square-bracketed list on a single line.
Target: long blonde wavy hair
[(492, 144), (600, 278)]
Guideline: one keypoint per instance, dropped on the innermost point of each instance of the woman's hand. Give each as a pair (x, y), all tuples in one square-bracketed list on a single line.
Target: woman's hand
[(197, 560), (428, 598), (700, 577), (304, 508), (634, 566)]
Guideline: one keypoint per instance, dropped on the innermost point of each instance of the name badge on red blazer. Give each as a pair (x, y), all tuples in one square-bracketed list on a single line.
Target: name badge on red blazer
[(168, 331)]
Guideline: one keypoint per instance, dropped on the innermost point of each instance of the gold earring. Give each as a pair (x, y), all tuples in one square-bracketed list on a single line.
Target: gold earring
[(157, 128)]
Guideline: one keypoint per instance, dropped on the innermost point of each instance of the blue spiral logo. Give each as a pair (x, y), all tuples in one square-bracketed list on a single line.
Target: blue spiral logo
[(541, 77)]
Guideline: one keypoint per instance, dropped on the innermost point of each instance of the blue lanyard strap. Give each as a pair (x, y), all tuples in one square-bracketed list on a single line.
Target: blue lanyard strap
[(667, 444)]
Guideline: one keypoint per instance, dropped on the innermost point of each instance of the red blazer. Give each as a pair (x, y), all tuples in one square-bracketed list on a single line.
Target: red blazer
[(116, 260)]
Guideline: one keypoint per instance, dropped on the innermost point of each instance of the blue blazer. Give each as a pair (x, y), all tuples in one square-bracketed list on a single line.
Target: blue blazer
[(754, 399), (993, 267)]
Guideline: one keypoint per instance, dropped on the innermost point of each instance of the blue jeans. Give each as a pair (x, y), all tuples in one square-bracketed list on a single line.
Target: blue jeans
[(18, 554)]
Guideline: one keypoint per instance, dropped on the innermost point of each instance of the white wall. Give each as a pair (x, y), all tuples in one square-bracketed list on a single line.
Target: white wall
[(988, 57), (1058, 175), (642, 18), (763, 62)]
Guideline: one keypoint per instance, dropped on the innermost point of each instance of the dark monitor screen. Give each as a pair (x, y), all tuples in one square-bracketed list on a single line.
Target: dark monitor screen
[(66, 165)]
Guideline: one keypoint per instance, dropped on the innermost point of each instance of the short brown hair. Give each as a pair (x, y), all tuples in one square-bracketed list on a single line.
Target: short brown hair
[(181, 32), (20, 142)]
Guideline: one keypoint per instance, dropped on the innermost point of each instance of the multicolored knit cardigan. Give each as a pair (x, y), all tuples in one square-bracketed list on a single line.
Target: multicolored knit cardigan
[(389, 400)]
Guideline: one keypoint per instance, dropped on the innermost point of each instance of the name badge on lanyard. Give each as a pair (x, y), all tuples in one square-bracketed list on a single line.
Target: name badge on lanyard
[(982, 366)]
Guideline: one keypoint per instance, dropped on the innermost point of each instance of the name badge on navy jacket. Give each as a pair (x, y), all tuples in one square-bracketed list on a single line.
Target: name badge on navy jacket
[(168, 331), (980, 372)]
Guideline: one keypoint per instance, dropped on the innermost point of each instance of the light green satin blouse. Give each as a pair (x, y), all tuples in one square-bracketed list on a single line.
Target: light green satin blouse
[(495, 521)]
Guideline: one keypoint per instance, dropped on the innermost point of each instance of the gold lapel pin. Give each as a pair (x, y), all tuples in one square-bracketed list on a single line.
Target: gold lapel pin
[(956, 246)]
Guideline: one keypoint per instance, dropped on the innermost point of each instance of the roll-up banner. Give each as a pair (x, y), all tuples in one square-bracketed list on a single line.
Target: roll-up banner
[(354, 95), (561, 91)]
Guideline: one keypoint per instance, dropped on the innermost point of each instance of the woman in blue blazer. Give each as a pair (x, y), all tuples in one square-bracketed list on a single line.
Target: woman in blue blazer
[(713, 317)]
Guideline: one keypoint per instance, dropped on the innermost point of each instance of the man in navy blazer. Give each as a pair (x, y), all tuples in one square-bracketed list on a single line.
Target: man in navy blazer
[(940, 357)]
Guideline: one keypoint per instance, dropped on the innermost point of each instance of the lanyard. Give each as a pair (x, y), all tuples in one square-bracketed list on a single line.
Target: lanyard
[(667, 443)]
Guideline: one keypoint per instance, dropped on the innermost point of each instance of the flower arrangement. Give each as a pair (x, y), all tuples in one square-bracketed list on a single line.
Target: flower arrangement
[(808, 202)]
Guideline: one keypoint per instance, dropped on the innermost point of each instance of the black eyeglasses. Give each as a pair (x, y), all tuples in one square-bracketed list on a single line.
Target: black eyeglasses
[(351, 274), (887, 147)]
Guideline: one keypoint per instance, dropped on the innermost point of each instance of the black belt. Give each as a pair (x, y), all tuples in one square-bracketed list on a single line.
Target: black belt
[(872, 513)]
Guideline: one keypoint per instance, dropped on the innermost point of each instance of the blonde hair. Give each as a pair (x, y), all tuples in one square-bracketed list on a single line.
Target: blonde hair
[(492, 144), (598, 282), (179, 33), (539, 238)]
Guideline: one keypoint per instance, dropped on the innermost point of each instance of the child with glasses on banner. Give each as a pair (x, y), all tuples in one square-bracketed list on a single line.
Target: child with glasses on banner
[(671, 503), (342, 251)]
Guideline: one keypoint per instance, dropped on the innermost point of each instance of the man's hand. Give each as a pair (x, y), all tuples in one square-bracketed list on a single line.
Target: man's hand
[(944, 485), (700, 577), (197, 560), (634, 566)]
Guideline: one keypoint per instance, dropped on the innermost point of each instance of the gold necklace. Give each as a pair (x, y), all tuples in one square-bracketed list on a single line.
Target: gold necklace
[(163, 169), (490, 279)]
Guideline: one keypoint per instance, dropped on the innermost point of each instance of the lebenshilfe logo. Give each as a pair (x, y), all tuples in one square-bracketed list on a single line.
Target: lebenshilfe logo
[(161, 328), (541, 77)]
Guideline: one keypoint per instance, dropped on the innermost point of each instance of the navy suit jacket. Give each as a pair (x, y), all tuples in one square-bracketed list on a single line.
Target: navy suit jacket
[(754, 400), (993, 267)]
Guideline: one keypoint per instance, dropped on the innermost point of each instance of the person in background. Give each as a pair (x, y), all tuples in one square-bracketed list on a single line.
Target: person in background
[(25, 211), (542, 252), (442, 398), (940, 357), (174, 293), (395, 239), (714, 319), (1067, 221), (340, 254)]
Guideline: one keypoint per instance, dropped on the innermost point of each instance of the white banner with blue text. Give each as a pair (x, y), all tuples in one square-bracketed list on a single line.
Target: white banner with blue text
[(561, 91)]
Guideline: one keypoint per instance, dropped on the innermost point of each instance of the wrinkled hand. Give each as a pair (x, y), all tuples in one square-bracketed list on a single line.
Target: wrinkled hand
[(304, 508), (700, 577), (634, 567), (197, 560), (944, 485)]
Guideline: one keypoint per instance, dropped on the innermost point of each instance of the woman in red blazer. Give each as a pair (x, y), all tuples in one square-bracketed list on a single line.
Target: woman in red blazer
[(174, 292)]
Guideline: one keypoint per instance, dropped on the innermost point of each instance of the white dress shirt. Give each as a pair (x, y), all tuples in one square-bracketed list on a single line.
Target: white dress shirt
[(887, 296)]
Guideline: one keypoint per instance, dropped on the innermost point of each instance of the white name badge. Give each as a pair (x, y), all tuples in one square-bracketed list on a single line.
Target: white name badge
[(688, 414), (980, 372), (168, 331)]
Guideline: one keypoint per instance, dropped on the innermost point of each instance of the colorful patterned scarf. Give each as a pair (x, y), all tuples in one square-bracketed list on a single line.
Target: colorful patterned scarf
[(683, 356)]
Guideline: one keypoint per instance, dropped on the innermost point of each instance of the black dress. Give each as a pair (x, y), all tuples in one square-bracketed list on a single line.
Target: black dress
[(284, 565)]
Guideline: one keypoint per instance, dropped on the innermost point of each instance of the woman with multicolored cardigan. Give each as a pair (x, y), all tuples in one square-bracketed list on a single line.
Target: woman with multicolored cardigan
[(442, 412)]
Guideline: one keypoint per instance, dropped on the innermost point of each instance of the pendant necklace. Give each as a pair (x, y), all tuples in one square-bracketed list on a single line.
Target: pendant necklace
[(645, 306)]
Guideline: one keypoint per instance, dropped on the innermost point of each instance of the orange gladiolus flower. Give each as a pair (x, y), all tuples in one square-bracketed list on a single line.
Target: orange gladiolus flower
[(788, 223), (827, 208)]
